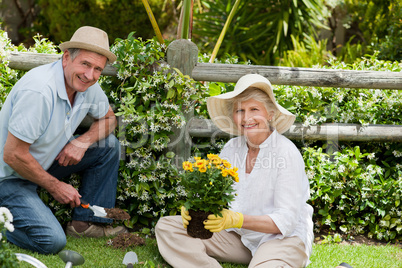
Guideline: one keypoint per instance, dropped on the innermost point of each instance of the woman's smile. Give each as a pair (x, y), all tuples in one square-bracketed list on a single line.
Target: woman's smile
[(251, 118), (249, 126)]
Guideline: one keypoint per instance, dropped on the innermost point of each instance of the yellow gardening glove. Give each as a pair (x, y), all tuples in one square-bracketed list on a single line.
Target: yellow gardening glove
[(229, 219), (185, 216)]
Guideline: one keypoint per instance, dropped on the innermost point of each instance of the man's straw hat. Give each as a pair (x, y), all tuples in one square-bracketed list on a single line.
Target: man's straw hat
[(92, 39), (222, 118)]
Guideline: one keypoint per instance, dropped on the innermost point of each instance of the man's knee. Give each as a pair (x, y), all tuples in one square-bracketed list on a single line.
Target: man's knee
[(111, 143), (51, 244)]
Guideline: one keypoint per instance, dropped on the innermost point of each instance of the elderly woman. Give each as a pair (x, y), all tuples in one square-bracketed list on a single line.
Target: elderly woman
[(269, 223)]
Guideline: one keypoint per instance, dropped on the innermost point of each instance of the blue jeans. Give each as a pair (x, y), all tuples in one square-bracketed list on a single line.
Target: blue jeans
[(36, 228)]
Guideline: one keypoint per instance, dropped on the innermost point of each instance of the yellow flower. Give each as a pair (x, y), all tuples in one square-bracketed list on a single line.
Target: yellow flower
[(233, 173), (225, 172), (212, 156), (236, 179), (215, 159), (226, 164), (187, 166), (201, 163), (202, 169), (211, 173)]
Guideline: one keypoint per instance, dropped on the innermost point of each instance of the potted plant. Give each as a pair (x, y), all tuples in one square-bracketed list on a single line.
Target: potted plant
[(208, 184)]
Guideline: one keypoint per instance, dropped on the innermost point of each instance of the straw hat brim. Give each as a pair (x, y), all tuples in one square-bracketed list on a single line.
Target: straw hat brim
[(91, 39), (218, 105), (94, 48)]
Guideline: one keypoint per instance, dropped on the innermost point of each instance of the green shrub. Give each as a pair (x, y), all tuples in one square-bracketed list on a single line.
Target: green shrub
[(376, 26), (60, 18), (354, 195), (150, 101), (261, 31)]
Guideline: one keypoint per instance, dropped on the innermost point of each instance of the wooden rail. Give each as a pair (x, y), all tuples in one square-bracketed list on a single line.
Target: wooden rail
[(25, 61), (328, 131), (300, 76), (232, 72)]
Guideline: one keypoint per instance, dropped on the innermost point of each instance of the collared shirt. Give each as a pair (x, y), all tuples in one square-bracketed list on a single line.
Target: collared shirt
[(277, 186), (38, 111)]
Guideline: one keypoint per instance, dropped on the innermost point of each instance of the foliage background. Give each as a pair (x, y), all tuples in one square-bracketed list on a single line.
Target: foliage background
[(355, 187), (263, 32)]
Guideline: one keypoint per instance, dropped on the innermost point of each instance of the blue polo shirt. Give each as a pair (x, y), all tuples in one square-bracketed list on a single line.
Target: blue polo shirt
[(37, 111)]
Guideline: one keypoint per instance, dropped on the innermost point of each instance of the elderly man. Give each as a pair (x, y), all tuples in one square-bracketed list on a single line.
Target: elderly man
[(38, 146)]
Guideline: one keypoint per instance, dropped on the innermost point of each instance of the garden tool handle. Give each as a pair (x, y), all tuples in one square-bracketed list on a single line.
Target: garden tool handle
[(84, 203)]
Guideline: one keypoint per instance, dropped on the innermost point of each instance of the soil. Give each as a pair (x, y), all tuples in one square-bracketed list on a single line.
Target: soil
[(353, 240), (117, 214), (125, 240), (196, 226)]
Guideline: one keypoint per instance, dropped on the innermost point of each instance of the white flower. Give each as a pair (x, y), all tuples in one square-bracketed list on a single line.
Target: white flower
[(5, 215), (341, 168), (396, 153), (311, 174), (9, 226)]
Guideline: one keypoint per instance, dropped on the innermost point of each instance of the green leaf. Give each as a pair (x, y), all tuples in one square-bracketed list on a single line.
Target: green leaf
[(170, 155), (171, 93)]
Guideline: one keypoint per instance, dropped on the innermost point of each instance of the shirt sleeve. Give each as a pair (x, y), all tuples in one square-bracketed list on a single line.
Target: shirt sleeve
[(30, 115), (288, 194), (99, 103)]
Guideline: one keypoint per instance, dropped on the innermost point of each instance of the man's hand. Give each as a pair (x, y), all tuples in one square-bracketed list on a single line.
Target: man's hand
[(229, 219), (64, 193), (72, 153), (185, 217), (17, 156)]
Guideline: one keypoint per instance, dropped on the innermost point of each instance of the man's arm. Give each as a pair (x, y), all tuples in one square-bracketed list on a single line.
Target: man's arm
[(18, 157), (74, 151)]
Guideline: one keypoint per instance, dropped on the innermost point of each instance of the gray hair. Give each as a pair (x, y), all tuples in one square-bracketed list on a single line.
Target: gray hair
[(256, 94), (75, 51)]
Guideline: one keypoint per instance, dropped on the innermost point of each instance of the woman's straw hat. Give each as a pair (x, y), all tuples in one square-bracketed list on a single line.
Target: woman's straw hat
[(219, 112), (92, 39)]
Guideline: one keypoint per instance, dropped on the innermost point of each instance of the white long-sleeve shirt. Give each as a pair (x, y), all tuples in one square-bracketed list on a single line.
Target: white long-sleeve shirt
[(277, 186)]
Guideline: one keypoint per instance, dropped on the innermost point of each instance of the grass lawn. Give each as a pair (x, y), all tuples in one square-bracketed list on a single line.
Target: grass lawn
[(98, 254)]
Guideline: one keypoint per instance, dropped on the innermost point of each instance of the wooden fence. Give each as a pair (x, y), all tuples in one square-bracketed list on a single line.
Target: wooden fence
[(182, 54)]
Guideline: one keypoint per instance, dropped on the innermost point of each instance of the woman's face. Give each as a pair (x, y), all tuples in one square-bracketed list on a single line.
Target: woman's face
[(251, 118)]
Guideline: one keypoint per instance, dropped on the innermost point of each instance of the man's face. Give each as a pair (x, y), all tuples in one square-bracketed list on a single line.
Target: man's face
[(83, 71)]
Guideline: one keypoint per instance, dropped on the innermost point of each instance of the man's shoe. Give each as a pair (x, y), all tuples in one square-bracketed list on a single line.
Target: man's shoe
[(95, 230)]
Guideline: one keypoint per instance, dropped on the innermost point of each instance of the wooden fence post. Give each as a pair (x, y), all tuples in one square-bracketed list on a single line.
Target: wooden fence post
[(183, 55)]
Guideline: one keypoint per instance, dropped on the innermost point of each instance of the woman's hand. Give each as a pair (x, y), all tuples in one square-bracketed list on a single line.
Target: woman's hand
[(229, 219), (185, 217)]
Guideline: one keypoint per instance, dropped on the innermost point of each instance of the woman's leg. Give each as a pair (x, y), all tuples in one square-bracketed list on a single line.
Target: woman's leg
[(280, 253), (181, 250), (35, 226)]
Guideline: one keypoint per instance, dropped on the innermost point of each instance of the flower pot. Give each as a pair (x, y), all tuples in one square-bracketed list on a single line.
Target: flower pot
[(196, 225)]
